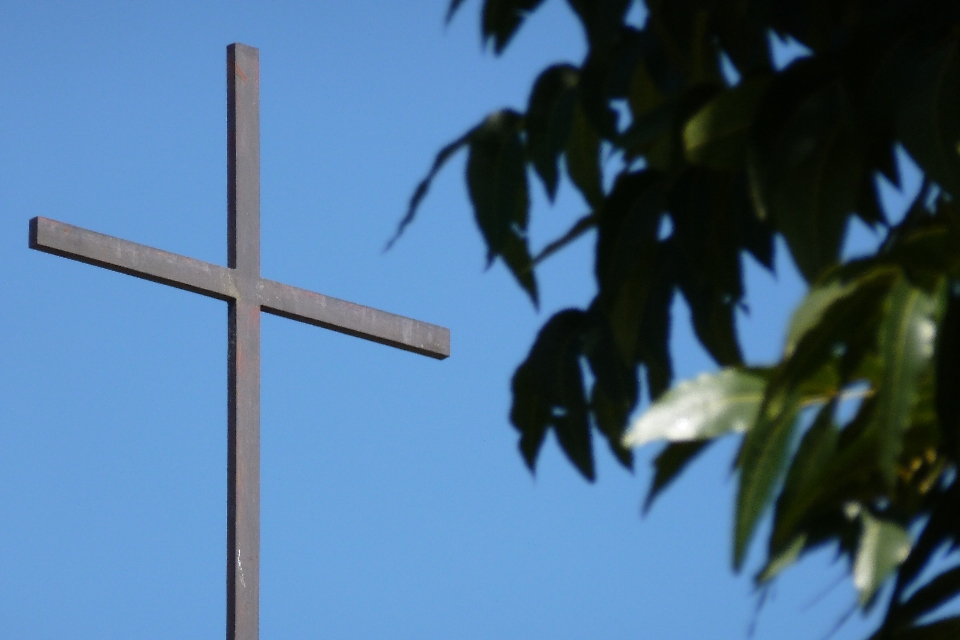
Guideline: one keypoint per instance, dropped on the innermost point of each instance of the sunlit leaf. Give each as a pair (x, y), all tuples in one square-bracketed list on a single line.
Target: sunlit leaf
[(907, 335), (708, 406), (883, 546)]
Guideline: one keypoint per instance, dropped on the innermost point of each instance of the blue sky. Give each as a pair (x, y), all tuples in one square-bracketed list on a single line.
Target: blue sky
[(394, 502)]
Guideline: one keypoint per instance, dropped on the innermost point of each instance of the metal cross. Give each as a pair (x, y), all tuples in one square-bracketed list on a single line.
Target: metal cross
[(247, 294)]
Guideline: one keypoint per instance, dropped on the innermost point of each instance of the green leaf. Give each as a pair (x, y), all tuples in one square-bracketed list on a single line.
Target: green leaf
[(421, 191), (653, 337), (942, 528), (629, 260), (761, 461), (583, 158), (580, 227), (932, 595), (883, 546), (929, 123), (786, 557), (706, 407), (497, 184), (800, 489), (549, 118), (806, 162), (548, 393), (669, 463), (502, 18), (601, 20), (948, 375), (717, 135), (948, 629), (706, 234), (907, 335), (452, 9), (843, 333), (615, 389), (829, 291)]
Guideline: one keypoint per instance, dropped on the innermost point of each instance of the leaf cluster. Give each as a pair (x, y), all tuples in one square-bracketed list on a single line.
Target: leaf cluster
[(715, 152)]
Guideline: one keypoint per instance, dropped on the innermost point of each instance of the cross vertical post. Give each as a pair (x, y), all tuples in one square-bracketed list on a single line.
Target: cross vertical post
[(243, 369), (247, 294)]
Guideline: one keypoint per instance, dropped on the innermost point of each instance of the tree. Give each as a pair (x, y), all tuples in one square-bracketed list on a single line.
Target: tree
[(717, 153)]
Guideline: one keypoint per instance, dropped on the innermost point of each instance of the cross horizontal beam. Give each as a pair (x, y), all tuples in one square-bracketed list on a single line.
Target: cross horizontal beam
[(230, 285)]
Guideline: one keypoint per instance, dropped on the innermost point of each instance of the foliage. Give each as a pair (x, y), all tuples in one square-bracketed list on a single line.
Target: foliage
[(726, 151)]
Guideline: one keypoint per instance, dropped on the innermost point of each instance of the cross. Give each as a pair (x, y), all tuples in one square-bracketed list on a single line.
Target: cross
[(246, 294)]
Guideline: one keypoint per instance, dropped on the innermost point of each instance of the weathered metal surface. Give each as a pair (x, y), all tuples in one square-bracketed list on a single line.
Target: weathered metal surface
[(223, 283), (354, 319), (131, 258), (243, 370), (247, 294)]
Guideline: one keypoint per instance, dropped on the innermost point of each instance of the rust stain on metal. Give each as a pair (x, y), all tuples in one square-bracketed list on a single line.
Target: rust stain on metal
[(240, 71)]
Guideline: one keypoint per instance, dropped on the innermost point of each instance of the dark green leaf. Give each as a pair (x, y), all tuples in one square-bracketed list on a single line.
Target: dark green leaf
[(548, 393), (948, 629), (421, 191), (948, 375), (653, 337), (942, 527), (615, 389), (868, 202), (936, 592), (716, 135), (671, 461), (628, 253), (579, 228), (549, 118), (929, 121), (452, 9), (702, 205), (497, 183), (806, 162), (583, 158), (502, 18), (601, 19)]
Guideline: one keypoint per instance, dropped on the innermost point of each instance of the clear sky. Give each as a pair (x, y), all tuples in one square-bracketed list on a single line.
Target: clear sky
[(394, 502)]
